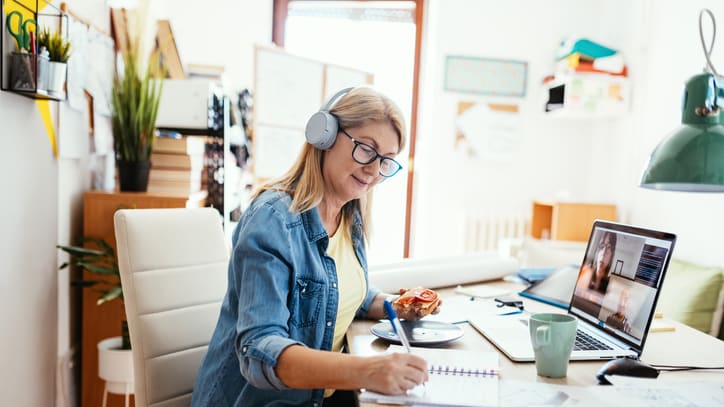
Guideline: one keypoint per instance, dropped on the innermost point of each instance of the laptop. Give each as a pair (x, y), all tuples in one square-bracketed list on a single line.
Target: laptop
[(614, 297)]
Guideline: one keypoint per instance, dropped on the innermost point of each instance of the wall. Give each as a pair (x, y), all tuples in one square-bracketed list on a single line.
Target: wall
[(579, 159), (550, 157), (220, 32)]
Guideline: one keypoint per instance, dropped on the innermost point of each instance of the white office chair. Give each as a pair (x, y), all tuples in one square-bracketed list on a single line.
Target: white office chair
[(173, 271)]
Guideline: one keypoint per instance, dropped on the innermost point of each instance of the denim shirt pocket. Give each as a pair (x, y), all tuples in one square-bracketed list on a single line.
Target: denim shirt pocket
[(308, 296)]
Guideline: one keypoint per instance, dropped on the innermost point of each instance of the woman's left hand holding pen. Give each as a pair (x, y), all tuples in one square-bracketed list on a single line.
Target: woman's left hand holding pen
[(393, 373)]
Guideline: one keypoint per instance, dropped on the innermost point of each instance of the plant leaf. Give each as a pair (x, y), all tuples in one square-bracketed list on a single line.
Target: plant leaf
[(111, 294)]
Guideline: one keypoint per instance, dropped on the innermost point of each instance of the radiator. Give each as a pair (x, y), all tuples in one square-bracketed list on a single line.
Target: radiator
[(484, 231)]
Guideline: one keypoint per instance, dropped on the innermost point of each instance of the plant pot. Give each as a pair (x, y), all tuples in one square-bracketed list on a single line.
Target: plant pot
[(115, 366), (133, 175), (56, 78)]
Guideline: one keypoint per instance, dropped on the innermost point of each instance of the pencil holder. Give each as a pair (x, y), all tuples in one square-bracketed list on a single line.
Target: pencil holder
[(22, 71)]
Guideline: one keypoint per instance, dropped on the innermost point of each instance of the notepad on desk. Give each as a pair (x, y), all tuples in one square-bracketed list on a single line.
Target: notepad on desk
[(457, 378)]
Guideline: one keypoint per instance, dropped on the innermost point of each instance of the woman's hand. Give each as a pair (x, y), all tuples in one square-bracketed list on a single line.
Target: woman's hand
[(394, 373), (410, 314)]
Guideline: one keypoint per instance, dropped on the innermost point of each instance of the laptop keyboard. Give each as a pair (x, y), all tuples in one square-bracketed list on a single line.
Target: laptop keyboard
[(585, 341)]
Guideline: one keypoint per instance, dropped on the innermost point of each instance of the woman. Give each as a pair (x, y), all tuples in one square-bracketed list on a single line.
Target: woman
[(298, 275), (601, 263)]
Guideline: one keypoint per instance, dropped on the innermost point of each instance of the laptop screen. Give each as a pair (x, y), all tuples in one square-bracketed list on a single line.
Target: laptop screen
[(620, 279)]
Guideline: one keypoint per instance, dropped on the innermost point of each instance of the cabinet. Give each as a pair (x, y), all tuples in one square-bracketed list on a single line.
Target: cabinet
[(104, 321), (567, 220)]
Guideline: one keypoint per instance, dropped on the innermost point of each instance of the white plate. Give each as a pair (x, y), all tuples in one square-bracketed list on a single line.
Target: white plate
[(420, 332)]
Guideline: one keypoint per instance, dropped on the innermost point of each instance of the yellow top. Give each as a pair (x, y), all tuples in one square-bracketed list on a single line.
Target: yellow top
[(350, 283)]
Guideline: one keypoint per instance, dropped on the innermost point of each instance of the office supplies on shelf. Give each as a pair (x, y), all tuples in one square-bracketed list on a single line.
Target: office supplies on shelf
[(19, 31), (457, 378), (397, 327)]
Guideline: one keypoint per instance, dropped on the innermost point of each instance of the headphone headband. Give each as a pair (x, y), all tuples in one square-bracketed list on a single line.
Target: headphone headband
[(333, 99)]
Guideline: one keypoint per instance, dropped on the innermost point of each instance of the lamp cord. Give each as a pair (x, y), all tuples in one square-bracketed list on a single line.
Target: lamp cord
[(707, 53)]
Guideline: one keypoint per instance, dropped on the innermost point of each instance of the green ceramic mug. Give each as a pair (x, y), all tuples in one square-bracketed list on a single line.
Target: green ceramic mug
[(552, 337)]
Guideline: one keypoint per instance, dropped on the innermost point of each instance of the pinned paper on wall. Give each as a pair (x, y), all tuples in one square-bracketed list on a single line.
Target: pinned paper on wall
[(486, 76), (490, 131), (77, 64), (100, 73)]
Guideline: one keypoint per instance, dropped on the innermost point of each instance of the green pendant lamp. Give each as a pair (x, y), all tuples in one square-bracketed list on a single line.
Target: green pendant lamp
[(691, 158)]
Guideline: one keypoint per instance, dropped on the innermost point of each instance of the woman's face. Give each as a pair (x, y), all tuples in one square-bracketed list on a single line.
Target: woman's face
[(604, 253), (344, 178)]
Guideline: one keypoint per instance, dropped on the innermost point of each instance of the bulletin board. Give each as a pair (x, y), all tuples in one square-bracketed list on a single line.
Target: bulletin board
[(486, 76), (288, 89)]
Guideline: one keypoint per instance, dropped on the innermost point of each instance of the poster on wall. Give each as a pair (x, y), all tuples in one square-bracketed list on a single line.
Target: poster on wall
[(485, 76)]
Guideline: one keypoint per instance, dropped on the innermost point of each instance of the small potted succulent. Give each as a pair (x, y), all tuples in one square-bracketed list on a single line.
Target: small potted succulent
[(58, 49)]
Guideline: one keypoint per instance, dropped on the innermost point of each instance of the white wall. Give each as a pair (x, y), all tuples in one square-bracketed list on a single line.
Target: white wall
[(38, 212), (580, 159), (220, 32), (553, 155)]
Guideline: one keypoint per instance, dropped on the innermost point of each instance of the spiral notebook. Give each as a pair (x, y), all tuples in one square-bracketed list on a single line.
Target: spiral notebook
[(457, 378)]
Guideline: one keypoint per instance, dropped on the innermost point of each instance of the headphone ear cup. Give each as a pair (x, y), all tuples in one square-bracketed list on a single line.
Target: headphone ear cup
[(321, 131)]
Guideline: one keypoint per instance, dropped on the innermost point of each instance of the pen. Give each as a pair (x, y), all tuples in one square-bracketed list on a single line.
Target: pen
[(397, 326)]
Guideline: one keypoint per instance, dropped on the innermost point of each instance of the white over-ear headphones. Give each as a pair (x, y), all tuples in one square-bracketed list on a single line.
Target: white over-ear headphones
[(322, 127)]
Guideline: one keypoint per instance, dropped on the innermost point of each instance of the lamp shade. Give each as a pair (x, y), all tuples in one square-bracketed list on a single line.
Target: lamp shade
[(691, 158)]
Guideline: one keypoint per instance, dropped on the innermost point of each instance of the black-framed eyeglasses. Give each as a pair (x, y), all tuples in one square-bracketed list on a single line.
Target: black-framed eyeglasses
[(366, 154)]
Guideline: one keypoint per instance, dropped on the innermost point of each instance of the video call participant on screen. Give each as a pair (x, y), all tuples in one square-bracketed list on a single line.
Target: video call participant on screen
[(298, 273), (618, 319), (600, 264)]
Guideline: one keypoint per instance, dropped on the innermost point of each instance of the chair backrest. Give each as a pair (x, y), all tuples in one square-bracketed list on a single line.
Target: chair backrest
[(173, 266)]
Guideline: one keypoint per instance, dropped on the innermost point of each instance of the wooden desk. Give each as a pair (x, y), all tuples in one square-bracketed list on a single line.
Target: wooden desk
[(684, 346)]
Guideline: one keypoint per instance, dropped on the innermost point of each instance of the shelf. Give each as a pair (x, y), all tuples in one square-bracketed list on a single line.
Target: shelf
[(588, 95), (26, 73), (567, 220)]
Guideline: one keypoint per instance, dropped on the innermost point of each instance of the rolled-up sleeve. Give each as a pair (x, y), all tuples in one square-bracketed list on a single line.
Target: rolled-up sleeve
[(258, 361)]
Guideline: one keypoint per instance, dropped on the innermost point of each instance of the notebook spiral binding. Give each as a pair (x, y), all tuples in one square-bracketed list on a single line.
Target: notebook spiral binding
[(454, 371)]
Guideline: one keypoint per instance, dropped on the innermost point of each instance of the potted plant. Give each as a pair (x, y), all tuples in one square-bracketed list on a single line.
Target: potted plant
[(134, 98), (115, 360), (102, 262), (58, 49)]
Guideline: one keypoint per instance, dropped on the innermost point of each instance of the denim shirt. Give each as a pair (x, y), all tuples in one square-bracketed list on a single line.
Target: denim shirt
[(282, 291)]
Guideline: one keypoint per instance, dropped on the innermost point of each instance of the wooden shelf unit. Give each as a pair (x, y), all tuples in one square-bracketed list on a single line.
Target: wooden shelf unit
[(104, 321), (567, 220)]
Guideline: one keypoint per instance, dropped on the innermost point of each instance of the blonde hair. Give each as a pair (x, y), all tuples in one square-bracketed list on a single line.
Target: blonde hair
[(304, 180)]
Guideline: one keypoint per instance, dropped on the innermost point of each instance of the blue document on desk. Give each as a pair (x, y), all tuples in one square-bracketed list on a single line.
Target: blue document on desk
[(457, 378)]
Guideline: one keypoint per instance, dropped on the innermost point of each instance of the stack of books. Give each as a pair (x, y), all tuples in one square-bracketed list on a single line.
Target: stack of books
[(177, 166), (589, 78)]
